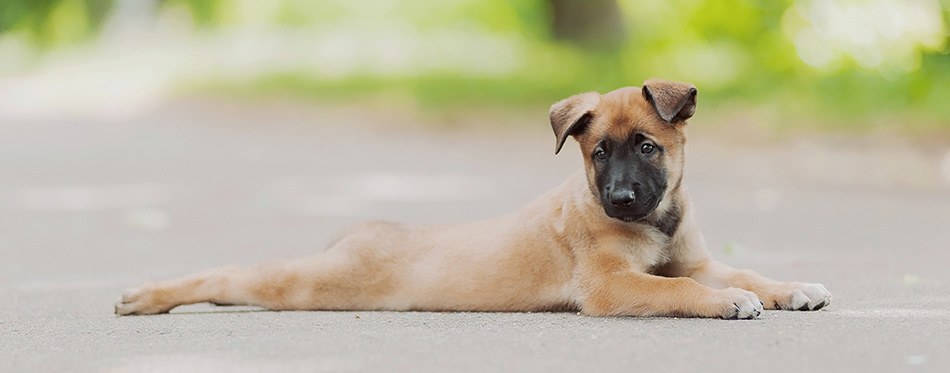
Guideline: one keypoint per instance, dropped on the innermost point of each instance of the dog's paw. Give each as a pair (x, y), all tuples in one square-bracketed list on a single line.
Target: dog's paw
[(735, 303), (799, 296), (143, 300)]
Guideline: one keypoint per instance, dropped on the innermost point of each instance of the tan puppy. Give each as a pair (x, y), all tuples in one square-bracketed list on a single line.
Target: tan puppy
[(617, 238)]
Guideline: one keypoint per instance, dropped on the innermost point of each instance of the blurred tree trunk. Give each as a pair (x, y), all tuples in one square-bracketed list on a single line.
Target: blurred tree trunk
[(590, 23)]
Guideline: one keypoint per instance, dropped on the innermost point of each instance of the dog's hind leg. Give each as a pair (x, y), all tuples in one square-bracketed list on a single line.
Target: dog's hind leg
[(336, 279)]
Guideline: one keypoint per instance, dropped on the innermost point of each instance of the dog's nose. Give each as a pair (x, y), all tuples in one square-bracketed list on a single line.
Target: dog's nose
[(622, 197)]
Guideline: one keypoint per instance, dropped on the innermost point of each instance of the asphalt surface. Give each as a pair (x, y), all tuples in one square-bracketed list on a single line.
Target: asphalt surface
[(89, 207)]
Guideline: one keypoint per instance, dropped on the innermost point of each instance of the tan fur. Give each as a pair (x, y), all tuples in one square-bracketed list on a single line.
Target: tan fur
[(559, 252)]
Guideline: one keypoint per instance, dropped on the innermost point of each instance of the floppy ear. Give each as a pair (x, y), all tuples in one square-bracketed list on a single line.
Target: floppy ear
[(673, 101), (570, 116)]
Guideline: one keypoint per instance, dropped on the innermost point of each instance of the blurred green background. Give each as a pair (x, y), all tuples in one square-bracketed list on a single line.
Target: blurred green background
[(821, 64)]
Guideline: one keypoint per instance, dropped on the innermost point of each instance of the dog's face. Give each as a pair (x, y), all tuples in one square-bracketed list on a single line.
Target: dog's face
[(632, 140)]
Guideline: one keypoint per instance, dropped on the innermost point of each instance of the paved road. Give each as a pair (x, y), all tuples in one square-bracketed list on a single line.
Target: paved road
[(91, 207)]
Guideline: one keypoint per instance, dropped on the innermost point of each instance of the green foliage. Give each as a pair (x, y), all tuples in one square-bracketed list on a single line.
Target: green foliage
[(53, 22), (203, 12)]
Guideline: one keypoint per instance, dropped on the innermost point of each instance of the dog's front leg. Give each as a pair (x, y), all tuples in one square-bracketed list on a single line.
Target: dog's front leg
[(610, 288), (691, 259), (776, 295)]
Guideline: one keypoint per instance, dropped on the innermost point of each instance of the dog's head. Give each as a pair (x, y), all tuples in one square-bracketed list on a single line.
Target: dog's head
[(632, 140)]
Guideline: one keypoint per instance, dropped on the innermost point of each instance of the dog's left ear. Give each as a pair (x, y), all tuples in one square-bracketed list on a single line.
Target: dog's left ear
[(673, 101), (570, 116)]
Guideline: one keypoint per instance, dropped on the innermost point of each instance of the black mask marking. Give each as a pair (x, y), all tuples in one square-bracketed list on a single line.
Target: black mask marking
[(629, 176)]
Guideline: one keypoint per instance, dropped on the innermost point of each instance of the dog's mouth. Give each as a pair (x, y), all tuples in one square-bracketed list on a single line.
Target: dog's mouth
[(628, 218), (633, 213)]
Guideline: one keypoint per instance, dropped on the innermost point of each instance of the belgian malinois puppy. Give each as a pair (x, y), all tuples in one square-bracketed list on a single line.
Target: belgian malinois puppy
[(617, 238)]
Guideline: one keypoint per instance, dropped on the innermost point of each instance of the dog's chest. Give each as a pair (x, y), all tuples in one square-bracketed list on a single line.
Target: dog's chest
[(647, 252)]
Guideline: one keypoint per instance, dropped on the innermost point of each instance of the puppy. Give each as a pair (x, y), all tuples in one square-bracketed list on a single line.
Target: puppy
[(617, 238)]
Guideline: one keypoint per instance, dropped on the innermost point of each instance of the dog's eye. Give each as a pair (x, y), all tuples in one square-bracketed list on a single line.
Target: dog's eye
[(600, 154), (647, 148)]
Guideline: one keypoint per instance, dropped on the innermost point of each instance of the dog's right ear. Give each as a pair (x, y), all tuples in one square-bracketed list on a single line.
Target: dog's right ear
[(673, 101), (570, 116)]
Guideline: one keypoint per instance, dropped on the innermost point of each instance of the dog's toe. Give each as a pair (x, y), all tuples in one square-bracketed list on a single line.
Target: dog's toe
[(139, 301), (799, 301), (804, 297), (742, 305), (124, 309), (131, 295)]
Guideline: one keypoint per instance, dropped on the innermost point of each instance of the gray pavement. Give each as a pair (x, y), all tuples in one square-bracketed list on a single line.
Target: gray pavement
[(89, 207)]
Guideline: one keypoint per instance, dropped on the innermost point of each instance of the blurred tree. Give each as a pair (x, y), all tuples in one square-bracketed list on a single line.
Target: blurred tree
[(48, 22), (589, 23), (203, 12)]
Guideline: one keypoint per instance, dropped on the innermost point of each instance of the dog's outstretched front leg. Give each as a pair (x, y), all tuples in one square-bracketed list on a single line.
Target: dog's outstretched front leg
[(616, 291), (776, 295), (691, 259)]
